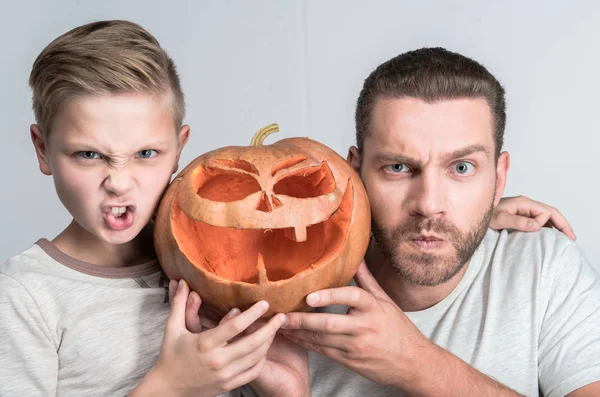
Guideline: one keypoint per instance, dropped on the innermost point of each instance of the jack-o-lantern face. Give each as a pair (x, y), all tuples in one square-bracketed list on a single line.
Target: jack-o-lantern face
[(271, 222)]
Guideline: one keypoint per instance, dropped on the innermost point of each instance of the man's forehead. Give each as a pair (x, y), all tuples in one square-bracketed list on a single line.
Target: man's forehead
[(413, 125)]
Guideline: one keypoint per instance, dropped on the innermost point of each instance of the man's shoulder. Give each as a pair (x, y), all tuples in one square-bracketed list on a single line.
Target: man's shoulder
[(529, 256), (546, 238), (545, 246)]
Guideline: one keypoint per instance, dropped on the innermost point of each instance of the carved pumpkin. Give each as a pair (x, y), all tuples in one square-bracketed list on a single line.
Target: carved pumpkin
[(273, 222)]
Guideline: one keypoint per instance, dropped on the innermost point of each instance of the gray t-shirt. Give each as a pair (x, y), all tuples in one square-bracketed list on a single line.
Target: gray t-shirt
[(69, 328), (527, 313)]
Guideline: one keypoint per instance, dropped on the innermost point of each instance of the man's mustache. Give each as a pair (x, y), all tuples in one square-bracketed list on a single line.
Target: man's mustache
[(415, 226)]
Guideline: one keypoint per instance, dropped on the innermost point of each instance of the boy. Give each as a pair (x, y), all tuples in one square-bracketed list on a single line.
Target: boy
[(85, 313)]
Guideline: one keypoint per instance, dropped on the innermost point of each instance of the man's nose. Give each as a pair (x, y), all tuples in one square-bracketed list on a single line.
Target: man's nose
[(428, 195)]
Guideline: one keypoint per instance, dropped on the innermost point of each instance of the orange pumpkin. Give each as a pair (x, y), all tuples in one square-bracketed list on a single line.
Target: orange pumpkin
[(273, 222)]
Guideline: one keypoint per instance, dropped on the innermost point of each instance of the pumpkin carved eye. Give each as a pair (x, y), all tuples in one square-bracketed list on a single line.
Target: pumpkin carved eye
[(223, 185), (306, 182)]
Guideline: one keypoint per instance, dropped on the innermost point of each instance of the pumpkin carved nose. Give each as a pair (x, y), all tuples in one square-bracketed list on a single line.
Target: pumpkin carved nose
[(263, 203)]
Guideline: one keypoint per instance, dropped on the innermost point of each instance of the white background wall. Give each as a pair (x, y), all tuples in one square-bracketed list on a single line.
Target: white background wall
[(245, 64)]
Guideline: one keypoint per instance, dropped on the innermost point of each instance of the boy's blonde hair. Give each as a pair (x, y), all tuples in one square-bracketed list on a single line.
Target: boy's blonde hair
[(99, 58)]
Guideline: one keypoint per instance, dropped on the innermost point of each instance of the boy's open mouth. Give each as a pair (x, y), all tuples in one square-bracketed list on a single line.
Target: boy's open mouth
[(119, 218)]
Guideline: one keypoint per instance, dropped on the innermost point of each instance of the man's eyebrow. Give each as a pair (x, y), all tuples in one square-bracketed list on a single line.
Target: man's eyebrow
[(465, 152), (396, 158)]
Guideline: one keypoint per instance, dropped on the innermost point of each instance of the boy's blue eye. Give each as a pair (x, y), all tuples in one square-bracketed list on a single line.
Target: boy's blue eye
[(88, 155), (147, 153)]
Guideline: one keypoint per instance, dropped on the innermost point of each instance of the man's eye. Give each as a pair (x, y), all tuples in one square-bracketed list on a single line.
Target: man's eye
[(88, 155), (463, 168), (147, 153), (397, 168)]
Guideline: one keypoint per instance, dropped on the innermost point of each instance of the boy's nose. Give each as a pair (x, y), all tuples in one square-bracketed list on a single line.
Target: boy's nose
[(119, 182)]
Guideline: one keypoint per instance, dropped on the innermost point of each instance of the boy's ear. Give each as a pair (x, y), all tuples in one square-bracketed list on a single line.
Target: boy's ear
[(182, 138), (41, 148)]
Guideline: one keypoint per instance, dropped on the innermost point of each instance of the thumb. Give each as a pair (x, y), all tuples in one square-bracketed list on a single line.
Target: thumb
[(365, 280), (176, 319)]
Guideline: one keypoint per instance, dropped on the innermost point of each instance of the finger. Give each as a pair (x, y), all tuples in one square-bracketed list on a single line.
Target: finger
[(231, 314), (560, 222), (207, 323), (176, 319), (192, 318), (333, 353), (172, 289), (335, 341), (221, 334), (249, 343), (505, 220), (320, 322), (349, 296), (247, 376), (242, 363), (365, 280)]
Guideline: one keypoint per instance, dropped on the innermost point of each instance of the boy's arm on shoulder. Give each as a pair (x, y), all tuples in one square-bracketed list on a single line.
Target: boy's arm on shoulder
[(28, 358), (569, 339), (591, 390)]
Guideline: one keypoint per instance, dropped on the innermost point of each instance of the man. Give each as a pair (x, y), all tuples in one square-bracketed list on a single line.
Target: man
[(445, 306)]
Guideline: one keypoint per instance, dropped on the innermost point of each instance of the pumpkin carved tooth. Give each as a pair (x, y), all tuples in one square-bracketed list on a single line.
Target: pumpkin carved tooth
[(263, 222), (297, 234), (262, 271)]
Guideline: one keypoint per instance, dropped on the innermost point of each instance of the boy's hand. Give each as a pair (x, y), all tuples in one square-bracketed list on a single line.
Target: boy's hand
[(209, 363), (285, 372), (527, 215)]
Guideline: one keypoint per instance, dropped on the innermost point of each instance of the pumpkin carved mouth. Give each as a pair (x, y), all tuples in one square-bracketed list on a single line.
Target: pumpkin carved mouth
[(261, 255)]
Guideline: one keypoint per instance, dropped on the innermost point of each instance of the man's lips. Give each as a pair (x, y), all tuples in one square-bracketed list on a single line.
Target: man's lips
[(427, 237), (427, 242)]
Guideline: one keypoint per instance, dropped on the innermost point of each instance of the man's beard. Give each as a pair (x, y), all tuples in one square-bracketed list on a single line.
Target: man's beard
[(423, 268)]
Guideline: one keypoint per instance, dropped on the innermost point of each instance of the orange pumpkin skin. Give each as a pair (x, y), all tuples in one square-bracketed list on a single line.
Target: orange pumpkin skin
[(275, 222)]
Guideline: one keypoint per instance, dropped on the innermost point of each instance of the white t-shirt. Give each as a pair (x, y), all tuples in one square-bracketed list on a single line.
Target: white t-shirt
[(527, 313), (69, 328)]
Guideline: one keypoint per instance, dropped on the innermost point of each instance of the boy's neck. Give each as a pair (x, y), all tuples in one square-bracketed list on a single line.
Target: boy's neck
[(78, 243)]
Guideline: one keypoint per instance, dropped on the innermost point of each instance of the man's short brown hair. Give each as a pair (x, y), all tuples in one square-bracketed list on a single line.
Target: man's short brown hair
[(431, 74), (101, 58)]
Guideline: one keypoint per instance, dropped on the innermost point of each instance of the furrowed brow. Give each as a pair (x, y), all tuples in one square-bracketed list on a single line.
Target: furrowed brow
[(465, 152)]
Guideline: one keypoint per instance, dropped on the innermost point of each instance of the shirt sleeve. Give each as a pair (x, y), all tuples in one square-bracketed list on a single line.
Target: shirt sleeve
[(569, 343), (28, 356)]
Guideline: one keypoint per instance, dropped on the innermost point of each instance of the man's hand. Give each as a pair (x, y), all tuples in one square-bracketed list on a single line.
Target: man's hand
[(375, 338), (524, 214), (378, 341), (285, 372), (209, 363)]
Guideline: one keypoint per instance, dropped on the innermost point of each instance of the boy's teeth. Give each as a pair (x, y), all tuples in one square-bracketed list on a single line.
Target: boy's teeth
[(118, 210)]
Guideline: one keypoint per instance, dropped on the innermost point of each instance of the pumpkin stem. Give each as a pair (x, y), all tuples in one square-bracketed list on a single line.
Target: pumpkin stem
[(260, 135)]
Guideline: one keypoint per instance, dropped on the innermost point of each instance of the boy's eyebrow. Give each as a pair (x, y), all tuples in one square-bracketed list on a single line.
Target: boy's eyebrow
[(86, 143), (397, 158)]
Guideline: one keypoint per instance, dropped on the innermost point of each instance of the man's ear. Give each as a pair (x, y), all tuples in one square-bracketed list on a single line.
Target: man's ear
[(501, 173), (41, 148), (182, 138), (354, 158)]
